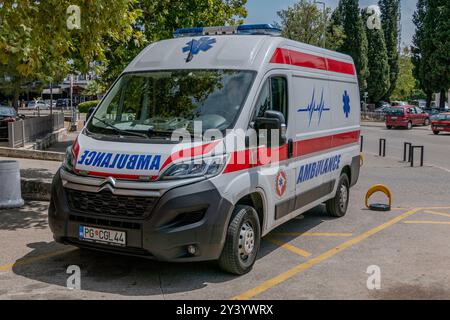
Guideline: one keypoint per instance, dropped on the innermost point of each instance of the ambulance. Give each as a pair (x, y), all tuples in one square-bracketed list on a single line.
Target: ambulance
[(127, 186)]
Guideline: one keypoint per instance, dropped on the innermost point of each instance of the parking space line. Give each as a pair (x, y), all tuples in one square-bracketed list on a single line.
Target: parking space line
[(427, 222), (438, 213), (312, 234), (289, 247), (26, 261), (320, 258)]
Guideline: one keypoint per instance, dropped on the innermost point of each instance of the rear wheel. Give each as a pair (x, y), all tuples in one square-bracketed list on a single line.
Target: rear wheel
[(242, 241), (426, 123), (389, 127), (409, 126), (337, 207), (436, 132)]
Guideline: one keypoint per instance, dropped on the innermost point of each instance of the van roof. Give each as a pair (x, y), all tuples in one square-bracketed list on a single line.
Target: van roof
[(241, 52)]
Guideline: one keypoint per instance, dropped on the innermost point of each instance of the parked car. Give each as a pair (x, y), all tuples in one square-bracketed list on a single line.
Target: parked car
[(433, 112), (398, 103), (62, 103), (407, 117), (53, 103), (382, 110), (7, 115), (441, 123), (38, 104)]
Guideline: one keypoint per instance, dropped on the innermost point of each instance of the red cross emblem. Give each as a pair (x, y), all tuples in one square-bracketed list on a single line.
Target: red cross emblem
[(281, 183)]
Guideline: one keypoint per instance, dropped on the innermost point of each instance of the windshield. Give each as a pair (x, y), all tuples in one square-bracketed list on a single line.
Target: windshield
[(443, 117), (7, 112), (395, 112), (157, 103)]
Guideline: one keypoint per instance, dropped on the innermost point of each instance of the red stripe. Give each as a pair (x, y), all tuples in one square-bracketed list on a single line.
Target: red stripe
[(246, 159), (301, 148), (190, 153), (306, 60), (306, 147)]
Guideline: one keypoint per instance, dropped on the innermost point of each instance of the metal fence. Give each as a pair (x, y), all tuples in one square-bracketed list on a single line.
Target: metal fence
[(28, 130), (373, 116)]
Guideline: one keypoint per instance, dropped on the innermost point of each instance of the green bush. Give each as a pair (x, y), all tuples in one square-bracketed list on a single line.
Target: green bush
[(85, 106)]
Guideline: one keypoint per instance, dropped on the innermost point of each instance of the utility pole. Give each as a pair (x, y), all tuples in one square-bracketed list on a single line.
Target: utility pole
[(324, 34)]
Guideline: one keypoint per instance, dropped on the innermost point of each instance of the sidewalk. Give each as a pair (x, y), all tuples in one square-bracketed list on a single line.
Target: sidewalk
[(36, 177)]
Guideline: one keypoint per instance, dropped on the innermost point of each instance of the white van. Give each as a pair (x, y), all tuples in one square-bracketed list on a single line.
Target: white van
[(127, 186)]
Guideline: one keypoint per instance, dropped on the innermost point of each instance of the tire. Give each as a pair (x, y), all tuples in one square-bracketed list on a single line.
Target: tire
[(409, 126), (389, 127), (242, 241), (337, 207), (436, 132), (426, 123)]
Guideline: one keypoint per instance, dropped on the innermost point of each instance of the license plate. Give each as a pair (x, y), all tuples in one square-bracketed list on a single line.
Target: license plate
[(113, 237), (440, 128), (394, 118)]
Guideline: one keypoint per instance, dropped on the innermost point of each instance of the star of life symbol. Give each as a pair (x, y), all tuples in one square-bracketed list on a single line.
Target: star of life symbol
[(281, 183), (195, 46), (346, 101)]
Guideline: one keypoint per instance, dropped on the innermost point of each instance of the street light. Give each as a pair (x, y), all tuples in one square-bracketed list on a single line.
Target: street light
[(324, 35)]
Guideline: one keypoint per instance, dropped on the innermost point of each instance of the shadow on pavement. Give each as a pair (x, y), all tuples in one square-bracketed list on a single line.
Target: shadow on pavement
[(32, 215), (133, 276)]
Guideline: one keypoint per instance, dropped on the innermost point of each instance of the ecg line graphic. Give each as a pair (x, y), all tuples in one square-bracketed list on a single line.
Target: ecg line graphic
[(313, 107)]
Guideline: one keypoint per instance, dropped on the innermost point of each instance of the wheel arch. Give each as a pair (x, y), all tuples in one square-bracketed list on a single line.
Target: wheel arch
[(257, 200)]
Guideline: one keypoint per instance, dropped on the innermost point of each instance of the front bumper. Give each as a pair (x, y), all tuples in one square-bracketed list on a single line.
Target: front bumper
[(194, 214)]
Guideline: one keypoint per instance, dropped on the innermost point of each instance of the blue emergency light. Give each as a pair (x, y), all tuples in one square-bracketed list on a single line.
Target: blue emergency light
[(248, 29)]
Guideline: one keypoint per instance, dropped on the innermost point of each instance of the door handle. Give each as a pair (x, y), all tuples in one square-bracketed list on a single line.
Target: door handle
[(290, 148)]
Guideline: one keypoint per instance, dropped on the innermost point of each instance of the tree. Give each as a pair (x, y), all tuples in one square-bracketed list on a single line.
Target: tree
[(36, 42), (390, 10), (437, 23), (378, 82), (355, 43), (160, 18), (420, 51), (431, 46), (304, 22), (406, 83)]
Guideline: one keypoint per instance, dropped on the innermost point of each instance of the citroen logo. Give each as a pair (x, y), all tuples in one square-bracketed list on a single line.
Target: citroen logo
[(110, 180), (108, 184)]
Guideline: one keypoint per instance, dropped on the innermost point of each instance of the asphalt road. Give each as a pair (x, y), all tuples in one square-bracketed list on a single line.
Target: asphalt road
[(311, 257), (437, 148)]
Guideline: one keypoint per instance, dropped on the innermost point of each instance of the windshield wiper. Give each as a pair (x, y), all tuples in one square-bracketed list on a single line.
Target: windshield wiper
[(120, 131)]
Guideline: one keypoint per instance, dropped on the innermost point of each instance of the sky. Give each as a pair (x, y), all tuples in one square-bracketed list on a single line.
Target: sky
[(265, 11)]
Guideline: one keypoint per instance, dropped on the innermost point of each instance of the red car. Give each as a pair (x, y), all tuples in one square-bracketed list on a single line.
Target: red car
[(441, 123), (407, 117)]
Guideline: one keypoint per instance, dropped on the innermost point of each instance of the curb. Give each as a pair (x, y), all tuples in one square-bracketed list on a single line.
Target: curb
[(36, 189), (31, 154)]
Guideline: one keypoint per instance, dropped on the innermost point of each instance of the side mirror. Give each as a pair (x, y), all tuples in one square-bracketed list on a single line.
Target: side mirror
[(272, 120)]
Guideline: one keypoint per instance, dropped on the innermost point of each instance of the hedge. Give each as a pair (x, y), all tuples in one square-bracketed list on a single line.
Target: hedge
[(85, 106)]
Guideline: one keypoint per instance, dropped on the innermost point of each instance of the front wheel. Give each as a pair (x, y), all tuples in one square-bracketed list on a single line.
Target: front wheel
[(389, 127), (242, 241), (337, 207), (409, 126), (436, 132)]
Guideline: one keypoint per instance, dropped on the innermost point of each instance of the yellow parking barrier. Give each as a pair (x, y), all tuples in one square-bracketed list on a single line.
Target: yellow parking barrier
[(379, 207)]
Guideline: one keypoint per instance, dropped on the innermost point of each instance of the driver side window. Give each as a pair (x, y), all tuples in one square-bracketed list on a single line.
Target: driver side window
[(273, 96)]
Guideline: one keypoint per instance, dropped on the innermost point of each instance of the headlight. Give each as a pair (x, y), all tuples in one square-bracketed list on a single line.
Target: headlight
[(69, 158), (207, 167)]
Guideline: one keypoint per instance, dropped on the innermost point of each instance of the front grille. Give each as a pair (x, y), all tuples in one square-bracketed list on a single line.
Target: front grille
[(105, 222), (107, 204)]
